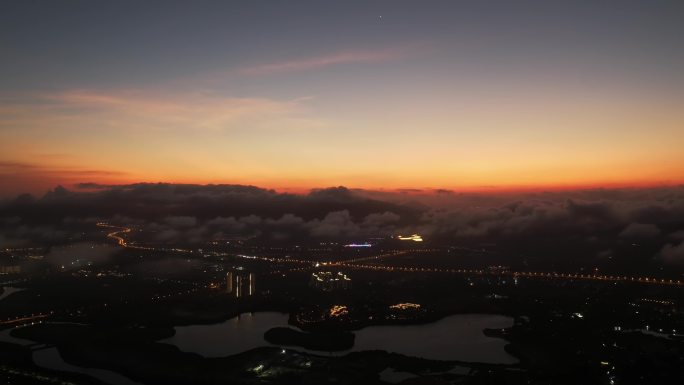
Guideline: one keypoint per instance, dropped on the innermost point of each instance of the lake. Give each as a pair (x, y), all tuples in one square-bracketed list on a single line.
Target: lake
[(457, 337), (7, 291)]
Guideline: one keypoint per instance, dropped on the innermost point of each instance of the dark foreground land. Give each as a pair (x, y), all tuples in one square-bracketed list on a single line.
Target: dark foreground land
[(565, 331)]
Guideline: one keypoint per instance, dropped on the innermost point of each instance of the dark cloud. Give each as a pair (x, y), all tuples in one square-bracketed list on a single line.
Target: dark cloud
[(381, 219), (597, 224), (339, 193), (605, 254), (640, 230), (338, 224), (154, 202), (335, 225), (443, 191), (184, 221), (673, 254), (410, 190), (599, 211), (93, 186)]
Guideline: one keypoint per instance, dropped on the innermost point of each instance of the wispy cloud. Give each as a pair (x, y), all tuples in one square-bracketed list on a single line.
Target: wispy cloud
[(6, 166), (335, 58), (123, 129), (150, 110), (9, 168)]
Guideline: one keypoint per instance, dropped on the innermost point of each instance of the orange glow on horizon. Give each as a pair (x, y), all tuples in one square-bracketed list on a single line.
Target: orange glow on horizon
[(281, 187), (526, 144)]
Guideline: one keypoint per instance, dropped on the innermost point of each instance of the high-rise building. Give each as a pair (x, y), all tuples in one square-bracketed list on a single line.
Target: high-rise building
[(229, 282), (240, 283), (252, 284), (327, 281), (238, 286)]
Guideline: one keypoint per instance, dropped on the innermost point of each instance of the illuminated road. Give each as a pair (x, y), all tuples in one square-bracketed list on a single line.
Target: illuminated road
[(25, 319), (525, 274), (374, 257), (115, 235), (121, 241), (353, 264)]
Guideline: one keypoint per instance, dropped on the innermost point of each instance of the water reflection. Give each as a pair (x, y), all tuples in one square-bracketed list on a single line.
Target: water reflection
[(457, 337), (7, 291), (233, 336)]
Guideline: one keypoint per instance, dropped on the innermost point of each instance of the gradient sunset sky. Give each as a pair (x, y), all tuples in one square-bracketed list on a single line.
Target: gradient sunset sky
[(465, 95)]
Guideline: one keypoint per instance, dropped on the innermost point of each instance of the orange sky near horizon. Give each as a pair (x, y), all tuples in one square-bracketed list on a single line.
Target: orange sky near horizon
[(468, 97), (38, 180), (140, 136)]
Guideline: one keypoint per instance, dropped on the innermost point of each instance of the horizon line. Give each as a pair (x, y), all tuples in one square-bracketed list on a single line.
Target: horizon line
[(420, 190)]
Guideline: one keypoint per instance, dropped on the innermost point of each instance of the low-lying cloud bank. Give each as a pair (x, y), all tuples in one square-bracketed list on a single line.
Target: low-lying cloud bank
[(606, 218)]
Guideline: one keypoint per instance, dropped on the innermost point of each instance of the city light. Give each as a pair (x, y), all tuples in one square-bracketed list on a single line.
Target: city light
[(405, 306), (358, 245), (413, 237), (338, 311)]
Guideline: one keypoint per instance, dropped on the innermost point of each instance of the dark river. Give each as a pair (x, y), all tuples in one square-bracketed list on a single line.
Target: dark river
[(49, 358)]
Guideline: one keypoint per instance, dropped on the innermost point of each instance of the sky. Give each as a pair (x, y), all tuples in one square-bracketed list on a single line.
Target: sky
[(463, 95)]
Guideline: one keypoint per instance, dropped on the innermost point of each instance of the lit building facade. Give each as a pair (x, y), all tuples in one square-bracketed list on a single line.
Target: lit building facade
[(229, 282), (328, 281), (240, 283)]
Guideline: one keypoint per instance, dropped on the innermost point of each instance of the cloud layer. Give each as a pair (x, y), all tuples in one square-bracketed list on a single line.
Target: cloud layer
[(586, 225)]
